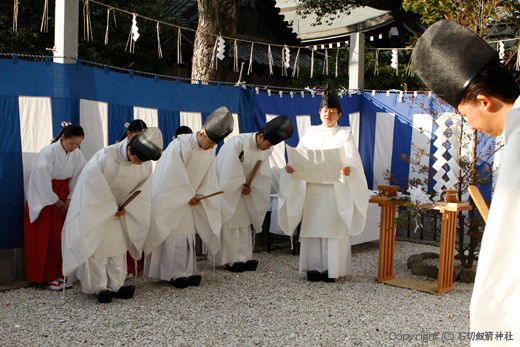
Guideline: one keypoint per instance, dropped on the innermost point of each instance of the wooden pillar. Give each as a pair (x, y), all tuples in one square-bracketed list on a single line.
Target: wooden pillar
[(447, 251), (386, 243)]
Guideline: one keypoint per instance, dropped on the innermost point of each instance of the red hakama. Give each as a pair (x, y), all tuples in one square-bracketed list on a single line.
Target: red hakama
[(42, 239)]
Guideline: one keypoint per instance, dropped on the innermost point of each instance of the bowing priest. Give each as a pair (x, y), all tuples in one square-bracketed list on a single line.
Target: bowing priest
[(329, 212), (184, 175), (244, 175), (98, 230), (465, 71)]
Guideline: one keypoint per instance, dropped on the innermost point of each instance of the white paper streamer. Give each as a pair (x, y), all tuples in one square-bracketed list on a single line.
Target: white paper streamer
[(395, 61), (135, 29), (442, 163), (287, 56), (221, 49)]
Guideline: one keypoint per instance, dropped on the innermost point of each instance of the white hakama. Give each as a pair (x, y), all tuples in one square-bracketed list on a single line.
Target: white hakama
[(329, 213), (235, 164), (94, 241), (183, 171)]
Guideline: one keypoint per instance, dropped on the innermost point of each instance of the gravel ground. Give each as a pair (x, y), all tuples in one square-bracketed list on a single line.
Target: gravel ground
[(273, 306)]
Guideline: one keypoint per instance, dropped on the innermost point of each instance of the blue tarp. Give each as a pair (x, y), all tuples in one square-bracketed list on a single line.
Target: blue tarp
[(66, 85)]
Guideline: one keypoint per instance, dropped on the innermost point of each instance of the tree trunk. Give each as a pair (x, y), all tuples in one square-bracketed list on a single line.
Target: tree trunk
[(215, 17)]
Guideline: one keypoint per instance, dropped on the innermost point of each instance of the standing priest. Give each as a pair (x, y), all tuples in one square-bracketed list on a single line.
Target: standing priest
[(98, 231), (185, 174), (244, 175), (465, 71), (329, 212)]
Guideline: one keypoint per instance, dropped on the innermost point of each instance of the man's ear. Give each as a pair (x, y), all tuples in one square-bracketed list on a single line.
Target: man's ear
[(485, 102)]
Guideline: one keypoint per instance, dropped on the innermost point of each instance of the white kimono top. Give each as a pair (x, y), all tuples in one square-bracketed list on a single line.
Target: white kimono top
[(184, 170), (104, 184), (53, 162), (350, 198), (496, 293), (235, 163)]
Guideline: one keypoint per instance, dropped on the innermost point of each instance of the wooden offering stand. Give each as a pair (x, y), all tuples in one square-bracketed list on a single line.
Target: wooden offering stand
[(387, 201)]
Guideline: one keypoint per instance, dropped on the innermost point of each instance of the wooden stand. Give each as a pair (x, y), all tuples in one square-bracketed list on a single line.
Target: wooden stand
[(387, 240)]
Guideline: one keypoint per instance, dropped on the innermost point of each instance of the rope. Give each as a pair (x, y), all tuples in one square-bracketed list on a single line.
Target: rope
[(190, 80)]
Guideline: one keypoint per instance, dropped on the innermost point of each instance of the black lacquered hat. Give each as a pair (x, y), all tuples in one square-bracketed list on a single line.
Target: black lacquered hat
[(330, 97), (147, 145), (448, 56), (219, 124), (278, 129)]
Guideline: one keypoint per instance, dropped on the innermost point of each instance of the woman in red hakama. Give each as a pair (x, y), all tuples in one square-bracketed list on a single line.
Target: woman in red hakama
[(48, 200)]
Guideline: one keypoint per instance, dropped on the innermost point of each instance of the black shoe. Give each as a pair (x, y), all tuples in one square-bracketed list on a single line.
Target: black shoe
[(236, 267), (325, 277), (194, 280), (105, 296), (180, 282), (251, 265), (313, 276), (124, 292)]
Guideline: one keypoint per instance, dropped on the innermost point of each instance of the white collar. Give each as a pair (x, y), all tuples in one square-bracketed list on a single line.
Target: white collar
[(123, 149)]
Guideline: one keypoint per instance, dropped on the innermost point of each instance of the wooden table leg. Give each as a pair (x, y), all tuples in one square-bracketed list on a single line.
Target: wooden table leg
[(446, 257), (386, 243)]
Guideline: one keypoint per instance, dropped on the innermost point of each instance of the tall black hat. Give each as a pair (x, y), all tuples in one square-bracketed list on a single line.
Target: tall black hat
[(330, 97), (278, 129), (219, 124), (147, 145), (448, 57)]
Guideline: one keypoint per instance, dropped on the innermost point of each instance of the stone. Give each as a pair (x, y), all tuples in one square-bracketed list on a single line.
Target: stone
[(456, 272), (431, 271), (412, 259), (419, 268), (429, 255), (467, 276)]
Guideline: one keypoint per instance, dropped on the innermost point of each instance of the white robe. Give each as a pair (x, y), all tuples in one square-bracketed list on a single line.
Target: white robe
[(183, 171), (91, 230), (235, 163), (53, 162), (496, 293), (331, 213)]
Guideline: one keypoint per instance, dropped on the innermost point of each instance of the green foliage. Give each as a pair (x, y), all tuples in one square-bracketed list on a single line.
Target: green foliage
[(328, 10), (145, 57), (485, 17), (29, 40)]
